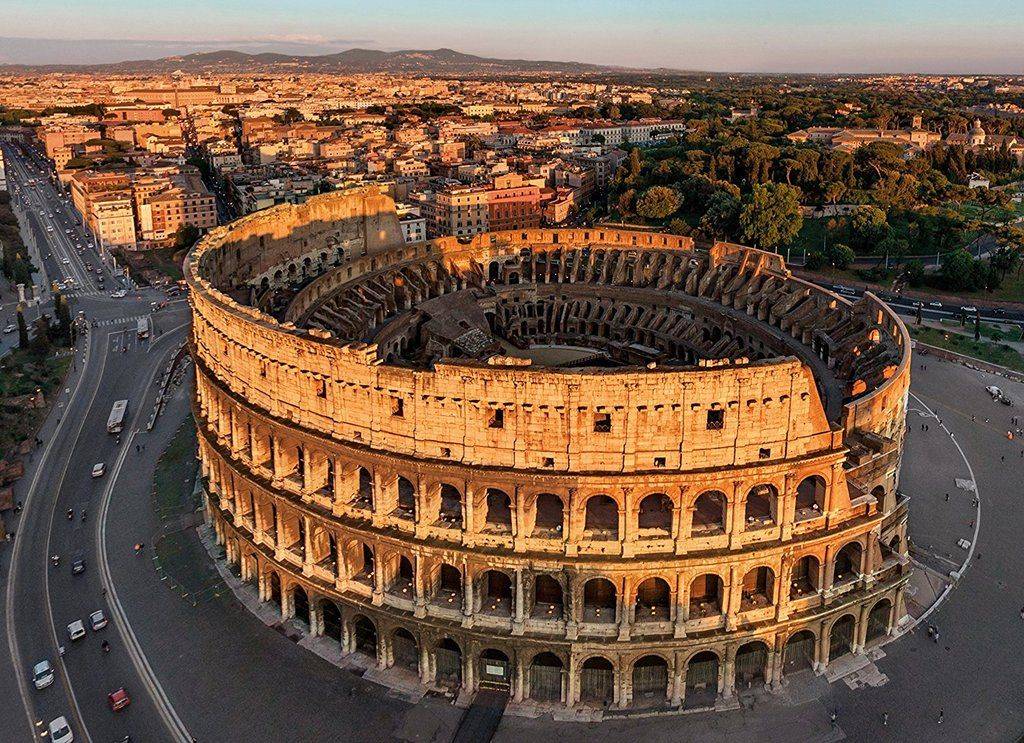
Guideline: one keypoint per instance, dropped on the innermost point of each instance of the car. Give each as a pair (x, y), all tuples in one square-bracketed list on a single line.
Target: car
[(918, 304), (98, 620), (10, 329), (66, 261), (98, 469), (935, 304), (42, 674), (76, 630), (60, 731), (78, 565), (119, 294), (118, 699), (969, 308)]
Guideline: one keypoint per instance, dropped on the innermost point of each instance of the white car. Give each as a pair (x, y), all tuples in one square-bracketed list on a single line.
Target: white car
[(935, 304), (66, 261), (76, 630), (98, 469), (60, 731), (119, 294), (9, 329), (97, 620), (969, 308), (42, 674)]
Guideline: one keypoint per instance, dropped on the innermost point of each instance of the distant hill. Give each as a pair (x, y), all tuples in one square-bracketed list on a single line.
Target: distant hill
[(430, 61)]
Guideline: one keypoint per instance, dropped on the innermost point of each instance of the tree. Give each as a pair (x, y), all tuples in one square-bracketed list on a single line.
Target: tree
[(868, 227), (958, 270), (722, 217), (770, 216), (22, 330), (658, 202), (185, 236), (913, 272)]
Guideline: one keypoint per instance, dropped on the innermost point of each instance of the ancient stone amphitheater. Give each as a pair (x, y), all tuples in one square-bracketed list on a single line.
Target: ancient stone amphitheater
[(596, 467)]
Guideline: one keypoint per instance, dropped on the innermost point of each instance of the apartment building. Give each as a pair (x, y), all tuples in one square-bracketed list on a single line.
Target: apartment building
[(513, 204)]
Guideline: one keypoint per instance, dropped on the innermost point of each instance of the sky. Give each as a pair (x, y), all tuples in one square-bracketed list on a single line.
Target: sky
[(938, 36)]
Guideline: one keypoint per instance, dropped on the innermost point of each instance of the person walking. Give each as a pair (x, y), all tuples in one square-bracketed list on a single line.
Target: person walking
[(942, 715), (885, 719), (947, 497)]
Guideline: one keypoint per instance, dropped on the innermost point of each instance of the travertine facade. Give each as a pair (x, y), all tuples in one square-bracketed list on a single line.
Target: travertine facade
[(598, 466)]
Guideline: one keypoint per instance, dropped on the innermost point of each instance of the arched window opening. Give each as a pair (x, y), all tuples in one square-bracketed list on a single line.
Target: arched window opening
[(448, 663), (761, 506), (879, 620), (705, 596), (546, 678), (702, 679), (449, 587), (550, 514), (655, 515), (547, 598), (364, 497), (709, 513), (300, 602), (499, 511), (404, 579), (451, 506), (810, 498), (496, 594), (847, 564), (841, 638), (404, 652), (804, 577), (599, 601), (650, 680), (752, 665), (406, 499), (799, 652), (758, 589), (653, 601), (597, 681), (365, 636), (331, 617), (602, 518)]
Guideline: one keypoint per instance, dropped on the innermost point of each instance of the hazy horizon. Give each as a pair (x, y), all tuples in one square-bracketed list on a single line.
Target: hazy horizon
[(795, 36)]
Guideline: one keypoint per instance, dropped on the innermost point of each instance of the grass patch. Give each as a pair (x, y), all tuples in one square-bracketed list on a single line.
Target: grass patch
[(175, 475), (22, 373), (994, 353)]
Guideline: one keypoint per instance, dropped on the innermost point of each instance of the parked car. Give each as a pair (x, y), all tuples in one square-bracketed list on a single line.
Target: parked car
[(10, 329)]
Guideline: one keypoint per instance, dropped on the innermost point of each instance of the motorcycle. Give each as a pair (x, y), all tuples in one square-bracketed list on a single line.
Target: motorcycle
[(71, 514), (55, 559), (106, 646), (83, 515)]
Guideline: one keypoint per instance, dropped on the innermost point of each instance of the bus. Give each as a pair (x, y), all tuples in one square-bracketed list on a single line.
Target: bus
[(115, 423), (142, 327)]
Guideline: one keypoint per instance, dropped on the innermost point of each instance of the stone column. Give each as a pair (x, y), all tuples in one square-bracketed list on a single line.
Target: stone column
[(678, 681), (468, 518), (861, 635), (682, 605), (623, 610), (737, 524), (572, 683), (426, 675), (518, 522), (823, 646), (519, 612), (519, 679), (377, 597), (729, 675), (731, 603), (625, 533), (468, 609), (789, 511)]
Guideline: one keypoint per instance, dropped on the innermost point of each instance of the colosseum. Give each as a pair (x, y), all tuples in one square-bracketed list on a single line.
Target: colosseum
[(596, 467)]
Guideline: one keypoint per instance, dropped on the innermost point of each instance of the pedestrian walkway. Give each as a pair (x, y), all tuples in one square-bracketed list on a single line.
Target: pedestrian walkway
[(119, 320)]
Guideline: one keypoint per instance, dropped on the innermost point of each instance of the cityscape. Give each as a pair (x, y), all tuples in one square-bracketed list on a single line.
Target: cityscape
[(367, 374)]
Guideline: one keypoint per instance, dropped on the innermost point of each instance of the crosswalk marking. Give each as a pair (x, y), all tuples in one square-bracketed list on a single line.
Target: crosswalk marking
[(119, 320)]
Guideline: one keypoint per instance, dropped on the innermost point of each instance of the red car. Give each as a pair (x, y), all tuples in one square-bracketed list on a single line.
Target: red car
[(118, 699)]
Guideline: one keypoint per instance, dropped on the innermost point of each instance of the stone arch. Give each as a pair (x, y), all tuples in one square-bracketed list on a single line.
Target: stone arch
[(498, 510), (300, 604), (450, 512), (597, 681), (600, 601), (406, 497), (702, 670), (405, 650), (330, 615), (404, 579), (364, 492), (546, 677), (841, 637), (496, 593), (653, 600), (650, 680), (810, 497), (752, 664), (847, 562), (879, 620), (601, 517), (761, 506), (495, 667), (706, 595), (364, 636), (548, 601), (804, 577), (709, 512), (549, 513), (448, 663), (800, 652), (655, 513), (758, 588), (275, 593)]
